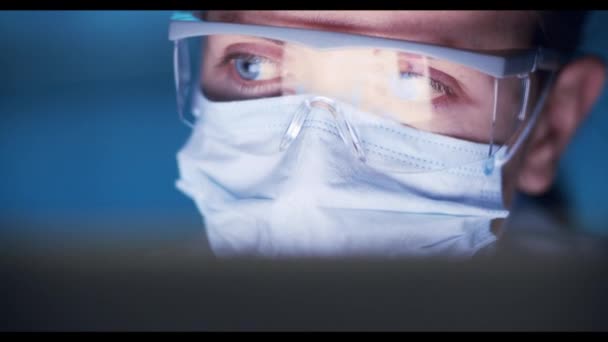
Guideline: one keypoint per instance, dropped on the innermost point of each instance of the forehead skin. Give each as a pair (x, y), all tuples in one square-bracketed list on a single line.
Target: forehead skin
[(476, 30)]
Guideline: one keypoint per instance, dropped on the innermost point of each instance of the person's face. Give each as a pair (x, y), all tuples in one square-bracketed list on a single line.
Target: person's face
[(457, 102)]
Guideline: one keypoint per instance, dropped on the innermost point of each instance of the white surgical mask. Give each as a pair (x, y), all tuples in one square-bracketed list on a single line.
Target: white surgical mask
[(317, 199)]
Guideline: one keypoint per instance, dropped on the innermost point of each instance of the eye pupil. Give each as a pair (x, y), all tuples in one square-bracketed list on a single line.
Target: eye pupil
[(248, 69)]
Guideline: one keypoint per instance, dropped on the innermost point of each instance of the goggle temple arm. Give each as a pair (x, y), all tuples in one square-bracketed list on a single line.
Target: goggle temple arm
[(182, 78), (500, 161)]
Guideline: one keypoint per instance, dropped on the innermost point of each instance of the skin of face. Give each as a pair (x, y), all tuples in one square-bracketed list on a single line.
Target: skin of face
[(443, 97), (575, 90)]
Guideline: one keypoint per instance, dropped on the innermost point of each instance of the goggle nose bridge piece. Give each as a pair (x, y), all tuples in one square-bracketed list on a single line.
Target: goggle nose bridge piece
[(347, 132)]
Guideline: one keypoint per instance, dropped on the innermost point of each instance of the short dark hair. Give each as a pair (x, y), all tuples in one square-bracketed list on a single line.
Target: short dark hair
[(560, 29)]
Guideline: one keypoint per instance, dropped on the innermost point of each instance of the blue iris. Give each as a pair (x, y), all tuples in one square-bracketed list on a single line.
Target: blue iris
[(248, 68)]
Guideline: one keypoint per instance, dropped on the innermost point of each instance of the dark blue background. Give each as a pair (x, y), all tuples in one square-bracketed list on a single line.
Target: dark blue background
[(89, 130)]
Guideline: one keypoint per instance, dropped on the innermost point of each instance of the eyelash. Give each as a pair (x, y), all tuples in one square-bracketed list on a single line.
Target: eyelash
[(435, 84), (229, 59), (268, 87), (438, 86)]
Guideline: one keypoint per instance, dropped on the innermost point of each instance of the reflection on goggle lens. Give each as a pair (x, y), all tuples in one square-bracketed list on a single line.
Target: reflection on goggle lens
[(425, 93)]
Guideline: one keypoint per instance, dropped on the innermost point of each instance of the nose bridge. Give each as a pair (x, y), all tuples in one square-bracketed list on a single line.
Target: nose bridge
[(326, 72), (312, 145), (346, 131)]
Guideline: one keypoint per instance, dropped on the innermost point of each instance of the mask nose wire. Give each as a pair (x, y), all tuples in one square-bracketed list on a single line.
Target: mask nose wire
[(347, 132)]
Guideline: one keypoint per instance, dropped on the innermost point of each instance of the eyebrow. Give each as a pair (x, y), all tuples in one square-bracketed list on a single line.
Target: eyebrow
[(375, 27), (316, 21), (274, 41), (319, 21)]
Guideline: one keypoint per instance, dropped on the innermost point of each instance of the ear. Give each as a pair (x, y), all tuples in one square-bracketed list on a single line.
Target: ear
[(574, 92)]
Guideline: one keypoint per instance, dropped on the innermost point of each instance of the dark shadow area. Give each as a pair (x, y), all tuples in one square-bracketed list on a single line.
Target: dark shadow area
[(122, 290)]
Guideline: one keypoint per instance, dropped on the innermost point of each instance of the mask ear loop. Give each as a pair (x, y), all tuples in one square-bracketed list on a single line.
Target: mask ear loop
[(502, 160)]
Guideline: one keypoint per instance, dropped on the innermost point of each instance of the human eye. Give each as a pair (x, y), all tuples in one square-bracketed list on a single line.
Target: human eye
[(249, 70), (248, 67), (419, 81), (419, 86)]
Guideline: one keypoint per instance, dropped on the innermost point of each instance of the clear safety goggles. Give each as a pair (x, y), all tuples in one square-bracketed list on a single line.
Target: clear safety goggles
[(479, 97)]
